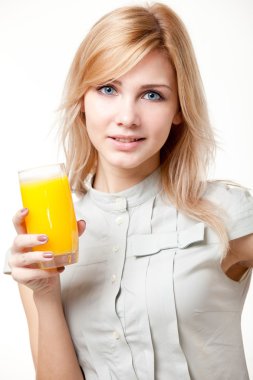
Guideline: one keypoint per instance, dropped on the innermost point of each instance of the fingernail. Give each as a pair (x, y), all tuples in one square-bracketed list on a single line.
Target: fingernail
[(24, 210), (42, 238), (48, 255), (60, 270)]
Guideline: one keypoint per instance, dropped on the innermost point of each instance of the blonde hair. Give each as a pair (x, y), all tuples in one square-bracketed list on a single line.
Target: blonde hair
[(115, 44)]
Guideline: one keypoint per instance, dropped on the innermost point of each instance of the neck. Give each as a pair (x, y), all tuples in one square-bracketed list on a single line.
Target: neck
[(116, 180)]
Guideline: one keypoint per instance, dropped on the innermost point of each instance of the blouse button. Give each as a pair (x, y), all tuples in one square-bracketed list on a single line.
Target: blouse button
[(113, 278), (115, 248), (116, 335), (119, 220)]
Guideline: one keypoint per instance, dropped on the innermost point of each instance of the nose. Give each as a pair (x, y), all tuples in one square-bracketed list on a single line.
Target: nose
[(127, 114)]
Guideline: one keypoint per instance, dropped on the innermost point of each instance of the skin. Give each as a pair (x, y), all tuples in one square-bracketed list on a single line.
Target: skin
[(142, 105), (239, 257), (41, 298)]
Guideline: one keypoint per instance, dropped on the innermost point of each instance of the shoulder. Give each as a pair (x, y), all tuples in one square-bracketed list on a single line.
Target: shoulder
[(231, 197), (234, 204)]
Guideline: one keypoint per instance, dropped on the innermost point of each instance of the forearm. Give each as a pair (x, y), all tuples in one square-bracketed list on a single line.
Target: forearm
[(51, 344), (56, 359)]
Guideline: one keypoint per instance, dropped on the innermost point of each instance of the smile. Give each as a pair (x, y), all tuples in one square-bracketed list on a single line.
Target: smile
[(127, 139)]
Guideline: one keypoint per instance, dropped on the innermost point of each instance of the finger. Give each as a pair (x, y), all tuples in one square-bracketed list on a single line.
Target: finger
[(81, 225), (23, 242), (19, 221), (26, 276), (30, 259)]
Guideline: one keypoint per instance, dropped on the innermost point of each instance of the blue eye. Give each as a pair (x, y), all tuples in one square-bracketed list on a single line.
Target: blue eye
[(151, 95), (107, 90)]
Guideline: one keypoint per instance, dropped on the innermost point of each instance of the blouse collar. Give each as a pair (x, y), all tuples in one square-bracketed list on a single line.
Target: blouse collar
[(131, 197)]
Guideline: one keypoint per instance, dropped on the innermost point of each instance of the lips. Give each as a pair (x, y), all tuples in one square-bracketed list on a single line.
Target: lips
[(125, 139)]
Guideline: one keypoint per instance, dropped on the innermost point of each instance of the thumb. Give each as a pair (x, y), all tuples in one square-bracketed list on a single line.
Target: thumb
[(81, 225), (19, 221)]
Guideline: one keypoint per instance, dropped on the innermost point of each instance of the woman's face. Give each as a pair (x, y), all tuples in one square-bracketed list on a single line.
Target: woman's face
[(128, 120)]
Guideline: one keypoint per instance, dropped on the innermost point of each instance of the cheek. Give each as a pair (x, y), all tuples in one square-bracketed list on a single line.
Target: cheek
[(92, 125), (92, 115), (162, 135), (97, 115), (93, 135), (161, 125), (90, 108)]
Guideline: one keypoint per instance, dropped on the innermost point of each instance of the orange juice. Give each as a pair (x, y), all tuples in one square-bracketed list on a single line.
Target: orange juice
[(51, 212)]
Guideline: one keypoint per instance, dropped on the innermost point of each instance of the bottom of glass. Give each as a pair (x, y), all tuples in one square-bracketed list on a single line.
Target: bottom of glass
[(60, 261)]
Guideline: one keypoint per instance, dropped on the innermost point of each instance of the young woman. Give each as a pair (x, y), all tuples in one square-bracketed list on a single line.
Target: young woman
[(164, 262)]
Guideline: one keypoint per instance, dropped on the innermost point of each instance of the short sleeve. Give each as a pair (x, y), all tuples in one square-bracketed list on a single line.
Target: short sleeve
[(6, 268), (236, 206)]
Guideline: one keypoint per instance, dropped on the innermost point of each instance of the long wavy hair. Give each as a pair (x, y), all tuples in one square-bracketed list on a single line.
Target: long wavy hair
[(114, 45)]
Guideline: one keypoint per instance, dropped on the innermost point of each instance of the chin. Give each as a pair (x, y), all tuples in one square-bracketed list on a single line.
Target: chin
[(141, 166), (126, 166)]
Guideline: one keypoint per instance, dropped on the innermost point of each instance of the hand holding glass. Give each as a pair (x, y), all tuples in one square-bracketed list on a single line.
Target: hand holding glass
[(45, 191)]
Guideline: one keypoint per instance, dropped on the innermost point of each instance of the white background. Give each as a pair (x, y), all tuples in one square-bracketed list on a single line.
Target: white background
[(38, 39)]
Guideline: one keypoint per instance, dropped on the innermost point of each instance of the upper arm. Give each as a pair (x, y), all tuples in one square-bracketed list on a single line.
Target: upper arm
[(241, 250), (26, 295), (235, 205), (239, 257)]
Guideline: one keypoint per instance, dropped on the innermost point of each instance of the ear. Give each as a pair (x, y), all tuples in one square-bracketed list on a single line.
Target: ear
[(177, 119)]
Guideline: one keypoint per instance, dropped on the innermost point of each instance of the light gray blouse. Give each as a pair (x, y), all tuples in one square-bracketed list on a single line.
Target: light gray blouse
[(148, 299)]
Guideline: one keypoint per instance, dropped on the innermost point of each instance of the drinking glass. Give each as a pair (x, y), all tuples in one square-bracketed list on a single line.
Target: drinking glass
[(45, 191)]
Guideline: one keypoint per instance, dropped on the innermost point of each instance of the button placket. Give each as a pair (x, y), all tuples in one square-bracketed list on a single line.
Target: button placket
[(134, 279), (120, 220), (120, 205), (120, 225)]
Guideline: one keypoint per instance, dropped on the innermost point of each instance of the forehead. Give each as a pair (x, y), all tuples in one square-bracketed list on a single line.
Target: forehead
[(154, 67)]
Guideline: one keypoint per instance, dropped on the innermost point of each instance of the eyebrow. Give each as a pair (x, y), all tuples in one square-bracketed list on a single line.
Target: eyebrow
[(147, 86)]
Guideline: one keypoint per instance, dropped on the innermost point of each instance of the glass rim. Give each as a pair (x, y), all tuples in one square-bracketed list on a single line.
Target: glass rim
[(61, 164), (42, 172)]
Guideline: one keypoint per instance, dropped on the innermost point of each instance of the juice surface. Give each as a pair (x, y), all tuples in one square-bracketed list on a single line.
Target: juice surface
[(51, 212)]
